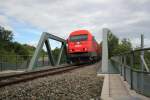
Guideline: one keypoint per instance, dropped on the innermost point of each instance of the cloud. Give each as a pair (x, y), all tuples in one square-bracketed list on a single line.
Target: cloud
[(126, 18), (137, 42), (4, 22)]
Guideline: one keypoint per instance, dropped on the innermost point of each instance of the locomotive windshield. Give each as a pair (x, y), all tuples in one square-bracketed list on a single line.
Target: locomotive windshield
[(78, 38)]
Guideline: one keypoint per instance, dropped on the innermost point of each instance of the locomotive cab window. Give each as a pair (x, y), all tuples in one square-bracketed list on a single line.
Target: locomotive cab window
[(79, 38)]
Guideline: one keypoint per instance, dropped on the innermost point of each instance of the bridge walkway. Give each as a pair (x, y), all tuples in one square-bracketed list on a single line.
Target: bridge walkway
[(115, 88)]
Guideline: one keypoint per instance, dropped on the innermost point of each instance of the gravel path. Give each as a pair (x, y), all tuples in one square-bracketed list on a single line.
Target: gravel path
[(80, 84)]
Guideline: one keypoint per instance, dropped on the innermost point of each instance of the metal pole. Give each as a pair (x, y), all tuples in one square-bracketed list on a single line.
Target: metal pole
[(142, 52), (121, 66), (1, 62), (124, 68), (142, 65), (131, 73)]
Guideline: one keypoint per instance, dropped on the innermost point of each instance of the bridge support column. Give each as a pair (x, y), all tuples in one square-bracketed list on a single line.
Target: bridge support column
[(105, 51)]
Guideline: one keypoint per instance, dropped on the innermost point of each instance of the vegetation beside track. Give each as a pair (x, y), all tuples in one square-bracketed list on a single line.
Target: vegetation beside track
[(14, 53), (117, 46)]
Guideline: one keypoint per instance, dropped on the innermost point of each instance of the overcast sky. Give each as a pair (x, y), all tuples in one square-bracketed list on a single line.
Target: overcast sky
[(29, 18)]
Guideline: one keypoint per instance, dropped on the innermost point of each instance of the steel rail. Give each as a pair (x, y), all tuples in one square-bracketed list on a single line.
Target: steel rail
[(27, 76)]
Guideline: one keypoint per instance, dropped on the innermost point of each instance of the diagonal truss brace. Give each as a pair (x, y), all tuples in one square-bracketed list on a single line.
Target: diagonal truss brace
[(44, 39)]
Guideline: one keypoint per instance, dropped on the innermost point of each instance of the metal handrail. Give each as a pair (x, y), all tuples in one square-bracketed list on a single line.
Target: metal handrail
[(141, 57), (144, 49), (135, 70), (132, 51)]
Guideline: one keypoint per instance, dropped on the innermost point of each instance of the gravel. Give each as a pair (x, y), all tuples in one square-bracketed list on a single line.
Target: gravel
[(79, 84)]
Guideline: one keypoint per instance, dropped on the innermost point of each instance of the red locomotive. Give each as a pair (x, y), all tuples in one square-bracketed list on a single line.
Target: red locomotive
[(82, 47)]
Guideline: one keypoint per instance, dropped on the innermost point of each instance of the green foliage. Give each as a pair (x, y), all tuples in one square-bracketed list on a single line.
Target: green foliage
[(30, 49), (10, 48), (113, 42), (5, 35), (124, 46), (115, 48), (56, 52)]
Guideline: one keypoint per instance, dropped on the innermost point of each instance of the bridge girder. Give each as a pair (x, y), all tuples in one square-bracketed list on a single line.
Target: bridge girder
[(44, 39)]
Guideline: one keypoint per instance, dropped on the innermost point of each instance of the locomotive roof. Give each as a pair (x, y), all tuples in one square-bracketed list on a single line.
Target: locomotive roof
[(78, 32)]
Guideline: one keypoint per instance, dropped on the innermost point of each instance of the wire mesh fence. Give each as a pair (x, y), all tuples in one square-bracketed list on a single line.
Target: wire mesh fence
[(14, 62), (21, 62), (130, 67)]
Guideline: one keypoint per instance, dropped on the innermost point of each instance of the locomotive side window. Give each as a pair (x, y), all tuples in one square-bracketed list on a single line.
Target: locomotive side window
[(79, 38), (94, 39)]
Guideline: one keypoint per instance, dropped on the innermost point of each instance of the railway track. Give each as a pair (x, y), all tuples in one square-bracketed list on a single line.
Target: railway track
[(27, 76)]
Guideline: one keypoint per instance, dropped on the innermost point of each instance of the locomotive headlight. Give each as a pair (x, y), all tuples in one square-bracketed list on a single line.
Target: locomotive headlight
[(71, 50), (85, 49)]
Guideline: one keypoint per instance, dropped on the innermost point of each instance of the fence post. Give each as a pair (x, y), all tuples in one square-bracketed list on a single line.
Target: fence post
[(28, 61), (131, 66), (16, 62), (121, 66), (43, 59), (125, 68), (1, 62), (4, 63)]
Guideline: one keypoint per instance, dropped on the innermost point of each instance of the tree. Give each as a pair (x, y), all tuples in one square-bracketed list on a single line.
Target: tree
[(124, 46), (20, 49), (56, 52), (5, 35), (115, 48), (113, 42)]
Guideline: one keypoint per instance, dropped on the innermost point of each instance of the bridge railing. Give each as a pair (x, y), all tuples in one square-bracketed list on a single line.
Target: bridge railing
[(134, 67), (14, 62), (21, 62)]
